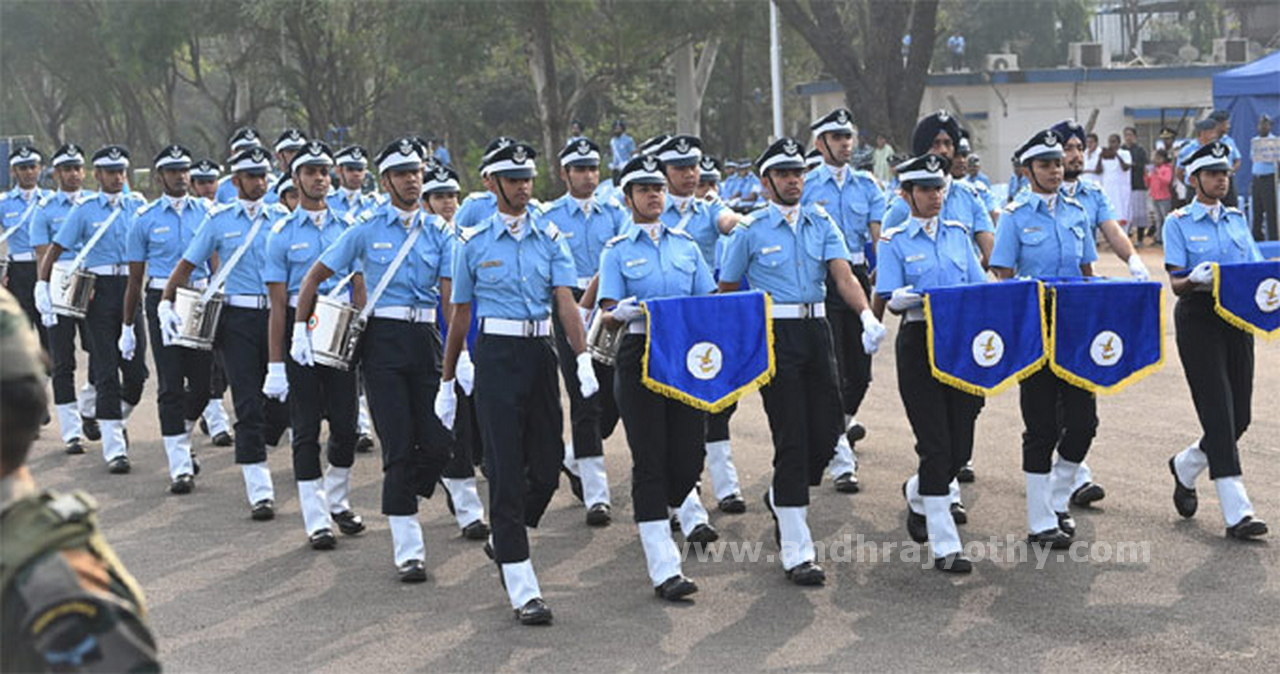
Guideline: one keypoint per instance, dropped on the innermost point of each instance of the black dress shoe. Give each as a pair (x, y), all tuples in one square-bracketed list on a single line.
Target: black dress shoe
[(575, 482), (807, 573), (965, 474), (348, 522), (959, 513), (917, 526), (855, 433), (1054, 538), (119, 465), (263, 510), (598, 515), (183, 484), (413, 571), (364, 444), (1184, 500), (1247, 529), (953, 563), (75, 446), (534, 612), (92, 431), (323, 540), (733, 504), (777, 532), (1066, 523), (847, 484), (676, 588), (703, 534), (1088, 493), (476, 531), (223, 439)]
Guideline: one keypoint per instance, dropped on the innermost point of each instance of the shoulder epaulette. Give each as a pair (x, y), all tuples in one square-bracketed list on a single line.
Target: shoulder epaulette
[(443, 225), (552, 231), (279, 225), (962, 185), (617, 239), (682, 233), (956, 223), (1232, 209), (148, 206), (474, 195), (1073, 201), (887, 234), (85, 197), (1014, 205), (1181, 212), (465, 234), (220, 208), (820, 209), (746, 222)]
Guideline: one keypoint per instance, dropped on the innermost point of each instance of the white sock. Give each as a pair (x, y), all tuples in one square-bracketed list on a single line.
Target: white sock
[(691, 513), (522, 583), (178, 449), (1083, 476), (1189, 464), (793, 529), (1040, 515), (337, 489), (87, 399), (944, 539), (315, 509), (724, 476), (406, 536), (914, 500), (844, 460), (467, 507), (112, 438), (215, 417), (1233, 499), (69, 422), (1061, 484), (595, 483), (660, 552), (953, 492), (569, 461), (257, 481)]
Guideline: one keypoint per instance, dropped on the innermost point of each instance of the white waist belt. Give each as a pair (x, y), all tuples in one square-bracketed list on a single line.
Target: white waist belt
[(293, 301), (511, 328), (247, 301), (159, 283), (583, 282), (858, 258), (22, 257), (815, 310), (109, 270), (410, 314)]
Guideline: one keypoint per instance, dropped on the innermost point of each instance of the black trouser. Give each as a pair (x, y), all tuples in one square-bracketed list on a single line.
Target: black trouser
[(803, 406), (183, 375), (242, 341), (846, 333), (401, 362), (1217, 359), (665, 437), (22, 283), (1263, 189), (591, 419), (104, 318), (517, 398), (467, 448), (942, 417), (1055, 415), (718, 423), (320, 392), (62, 351), (217, 377)]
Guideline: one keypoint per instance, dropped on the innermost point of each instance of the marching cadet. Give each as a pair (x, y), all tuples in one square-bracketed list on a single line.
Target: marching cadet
[(585, 225), (68, 172), (98, 227), (68, 602), (204, 180), (288, 143), (404, 254), (237, 234), (708, 179), (159, 233), (1216, 356), (244, 138), (749, 188), (349, 199), (920, 254), (787, 250), (479, 206), (286, 194), (853, 199), (650, 261), (213, 421), (17, 209), (729, 186), (314, 390), (440, 198), (517, 269), (1045, 234), (813, 159)]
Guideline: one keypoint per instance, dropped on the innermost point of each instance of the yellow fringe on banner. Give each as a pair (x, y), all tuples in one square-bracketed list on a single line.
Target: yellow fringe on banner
[(970, 387), (732, 397), (1230, 317), (1092, 387)]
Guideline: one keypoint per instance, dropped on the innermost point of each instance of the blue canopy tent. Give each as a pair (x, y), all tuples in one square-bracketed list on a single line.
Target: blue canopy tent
[(1248, 92)]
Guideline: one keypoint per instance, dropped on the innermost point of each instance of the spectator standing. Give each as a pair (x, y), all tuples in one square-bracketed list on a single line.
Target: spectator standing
[(1139, 217), (881, 166), (1092, 160), (1114, 163), (1263, 189), (1222, 119), (955, 45), (621, 147), (1159, 181)]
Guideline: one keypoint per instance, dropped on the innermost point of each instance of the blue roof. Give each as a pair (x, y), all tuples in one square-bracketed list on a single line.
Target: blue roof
[(1045, 75), (1261, 77)]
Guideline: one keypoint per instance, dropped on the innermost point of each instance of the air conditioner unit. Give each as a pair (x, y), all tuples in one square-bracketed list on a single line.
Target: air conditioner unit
[(995, 62), (1088, 55), (1230, 50)]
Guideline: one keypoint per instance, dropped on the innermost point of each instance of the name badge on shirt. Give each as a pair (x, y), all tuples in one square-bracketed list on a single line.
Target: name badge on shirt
[(637, 262), (567, 235), (490, 264), (770, 249), (231, 235), (382, 245), (299, 246), (1030, 229), (915, 258), (1197, 238), (161, 230)]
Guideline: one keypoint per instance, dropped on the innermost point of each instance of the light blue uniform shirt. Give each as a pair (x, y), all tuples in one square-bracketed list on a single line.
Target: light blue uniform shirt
[(222, 232), (1264, 168), (341, 205), (476, 208), (621, 147), (729, 188), (18, 212), (295, 243), (227, 192), (371, 244), (1094, 200), (48, 219), (854, 205), (908, 257), (790, 266), (1191, 236), (507, 278), (700, 219), (586, 234), (159, 235), (1034, 242), (1016, 183), (92, 212), (962, 204), (749, 191), (634, 265)]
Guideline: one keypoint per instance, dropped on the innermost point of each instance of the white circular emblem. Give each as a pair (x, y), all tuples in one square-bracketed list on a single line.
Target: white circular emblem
[(406, 146), (790, 147), (932, 164), (1106, 349), (1267, 295), (943, 116), (649, 163), (519, 155), (704, 360), (1219, 150), (842, 117), (988, 348), (682, 145), (584, 147)]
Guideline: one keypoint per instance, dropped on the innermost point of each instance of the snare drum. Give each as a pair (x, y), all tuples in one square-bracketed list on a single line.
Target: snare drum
[(603, 342), (199, 319), (335, 332), (70, 291)]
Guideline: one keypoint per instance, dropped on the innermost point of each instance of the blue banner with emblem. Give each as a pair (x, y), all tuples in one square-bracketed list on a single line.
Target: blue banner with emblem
[(1247, 295), (985, 337), (1105, 334), (708, 351)]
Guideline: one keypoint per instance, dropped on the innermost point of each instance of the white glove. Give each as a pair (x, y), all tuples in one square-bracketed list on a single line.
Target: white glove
[(44, 301), (872, 332), (128, 342), (48, 320), (587, 375), (170, 322), (904, 298), (446, 404), (1202, 274), (465, 373), (300, 346), (627, 310), (277, 384), (1137, 269)]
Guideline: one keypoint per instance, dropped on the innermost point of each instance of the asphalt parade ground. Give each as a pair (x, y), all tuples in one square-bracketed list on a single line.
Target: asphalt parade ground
[(1145, 590)]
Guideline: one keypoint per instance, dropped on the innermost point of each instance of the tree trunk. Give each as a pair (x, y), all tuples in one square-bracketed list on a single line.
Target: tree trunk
[(542, 67)]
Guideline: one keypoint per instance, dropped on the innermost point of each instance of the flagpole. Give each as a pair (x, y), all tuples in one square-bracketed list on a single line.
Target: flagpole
[(775, 67)]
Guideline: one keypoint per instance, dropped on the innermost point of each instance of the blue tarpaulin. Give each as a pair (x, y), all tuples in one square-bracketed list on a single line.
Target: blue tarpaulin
[(1248, 92)]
